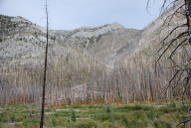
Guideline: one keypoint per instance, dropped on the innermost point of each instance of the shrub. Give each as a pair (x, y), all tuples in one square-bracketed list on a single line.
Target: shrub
[(151, 114), (73, 116), (172, 105), (125, 121), (53, 122), (108, 109), (161, 124), (88, 123)]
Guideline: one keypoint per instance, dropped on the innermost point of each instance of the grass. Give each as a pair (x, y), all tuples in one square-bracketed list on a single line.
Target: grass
[(98, 116)]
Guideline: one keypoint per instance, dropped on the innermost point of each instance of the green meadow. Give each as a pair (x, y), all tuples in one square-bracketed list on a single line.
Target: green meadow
[(95, 116)]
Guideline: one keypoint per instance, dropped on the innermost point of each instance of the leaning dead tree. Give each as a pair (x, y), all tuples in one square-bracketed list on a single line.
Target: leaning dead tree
[(176, 41), (45, 69)]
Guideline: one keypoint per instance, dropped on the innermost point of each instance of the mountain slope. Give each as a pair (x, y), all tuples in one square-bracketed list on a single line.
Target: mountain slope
[(107, 43), (108, 63), (24, 40)]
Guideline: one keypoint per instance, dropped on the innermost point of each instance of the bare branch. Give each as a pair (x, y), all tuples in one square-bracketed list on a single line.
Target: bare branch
[(179, 45), (170, 17), (174, 76), (171, 42), (173, 30)]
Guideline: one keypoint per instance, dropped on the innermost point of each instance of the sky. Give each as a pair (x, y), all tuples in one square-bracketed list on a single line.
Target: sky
[(72, 14)]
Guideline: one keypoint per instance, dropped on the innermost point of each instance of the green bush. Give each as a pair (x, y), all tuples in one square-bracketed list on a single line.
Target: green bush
[(73, 116), (172, 105), (53, 123), (31, 123), (108, 109), (161, 124), (125, 121), (88, 123), (152, 114), (133, 108), (137, 124), (167, 109)]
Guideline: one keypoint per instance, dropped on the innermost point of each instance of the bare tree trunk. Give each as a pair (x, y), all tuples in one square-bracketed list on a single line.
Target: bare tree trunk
[(188, 17), (45, 70)]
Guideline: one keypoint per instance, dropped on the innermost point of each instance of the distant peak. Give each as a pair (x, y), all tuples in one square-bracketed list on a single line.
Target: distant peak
[(117, 25), (89, 32), (113, 26)]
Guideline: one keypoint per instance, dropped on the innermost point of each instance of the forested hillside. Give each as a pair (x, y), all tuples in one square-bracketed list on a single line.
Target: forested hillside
[(104, 64)]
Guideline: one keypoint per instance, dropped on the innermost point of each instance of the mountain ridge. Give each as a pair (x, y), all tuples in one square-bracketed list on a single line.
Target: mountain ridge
[(87, 38)]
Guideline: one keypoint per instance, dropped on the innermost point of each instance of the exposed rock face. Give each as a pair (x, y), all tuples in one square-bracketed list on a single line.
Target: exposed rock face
[(24, 40), (107, 43)]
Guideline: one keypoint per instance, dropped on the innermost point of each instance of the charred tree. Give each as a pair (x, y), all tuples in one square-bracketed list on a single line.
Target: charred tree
[(45, 69)]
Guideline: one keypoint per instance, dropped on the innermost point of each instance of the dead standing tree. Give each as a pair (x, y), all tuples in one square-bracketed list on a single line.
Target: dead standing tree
[(45, 69), (178, 39)]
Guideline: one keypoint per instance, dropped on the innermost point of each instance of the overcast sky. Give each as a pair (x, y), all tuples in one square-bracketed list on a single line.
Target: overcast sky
[(71, 14)]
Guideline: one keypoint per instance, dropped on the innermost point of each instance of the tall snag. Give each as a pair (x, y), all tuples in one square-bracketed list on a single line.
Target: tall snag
[(178, 39), (45, 69)]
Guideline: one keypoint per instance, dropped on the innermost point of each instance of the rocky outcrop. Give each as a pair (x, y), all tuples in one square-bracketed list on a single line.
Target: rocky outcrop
[(22, 40)]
